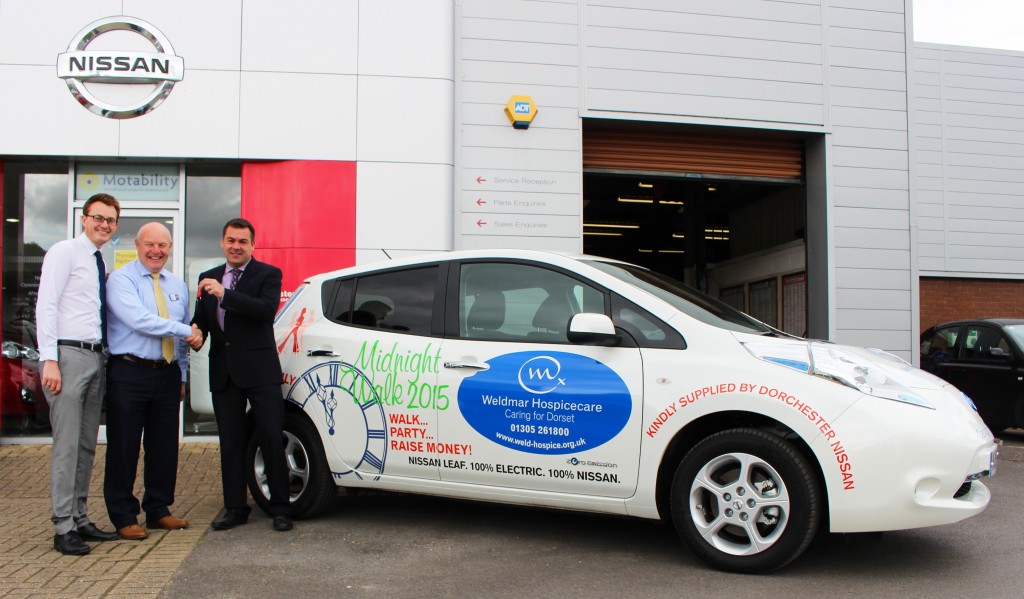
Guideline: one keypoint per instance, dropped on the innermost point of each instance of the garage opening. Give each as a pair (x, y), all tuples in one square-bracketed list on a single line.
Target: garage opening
[(726, 213)]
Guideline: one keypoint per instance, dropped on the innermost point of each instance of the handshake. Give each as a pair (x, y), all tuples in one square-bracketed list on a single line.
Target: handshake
[(196, 339)]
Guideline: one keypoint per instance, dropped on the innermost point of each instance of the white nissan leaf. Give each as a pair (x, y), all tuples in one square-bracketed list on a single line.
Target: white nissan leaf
[(584, 383)]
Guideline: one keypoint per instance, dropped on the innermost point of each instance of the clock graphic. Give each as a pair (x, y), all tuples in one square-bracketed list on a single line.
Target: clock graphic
[(345, 397)]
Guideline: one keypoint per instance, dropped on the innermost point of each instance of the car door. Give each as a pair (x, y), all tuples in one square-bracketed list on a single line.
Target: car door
[(524, 407), (370, 368), (984, 370)]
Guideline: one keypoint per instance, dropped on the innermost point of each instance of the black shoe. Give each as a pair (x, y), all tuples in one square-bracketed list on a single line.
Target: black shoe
[(228, 519), (89, 532), (282, 523), (70, 543)]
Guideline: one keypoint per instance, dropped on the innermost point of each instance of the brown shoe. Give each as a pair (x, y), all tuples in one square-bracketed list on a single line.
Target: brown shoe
[(132, 532), (168, 522)]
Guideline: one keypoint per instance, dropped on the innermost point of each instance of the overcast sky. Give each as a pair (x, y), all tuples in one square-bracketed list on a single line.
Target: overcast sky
[(982, 23)]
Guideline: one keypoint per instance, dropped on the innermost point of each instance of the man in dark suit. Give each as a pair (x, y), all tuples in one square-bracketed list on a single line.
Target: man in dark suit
[(236, 307)]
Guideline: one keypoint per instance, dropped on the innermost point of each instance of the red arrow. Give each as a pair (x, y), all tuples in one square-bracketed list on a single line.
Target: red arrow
[(481, 223), (481, 180), (480, 202)]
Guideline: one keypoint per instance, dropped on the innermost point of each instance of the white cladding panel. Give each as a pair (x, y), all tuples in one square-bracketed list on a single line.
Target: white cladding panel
[(403, 208), (870, 174), (970, 117), (751, 60)]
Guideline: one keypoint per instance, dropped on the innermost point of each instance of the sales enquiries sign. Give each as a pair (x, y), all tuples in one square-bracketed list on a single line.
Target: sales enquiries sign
[(128, 182)]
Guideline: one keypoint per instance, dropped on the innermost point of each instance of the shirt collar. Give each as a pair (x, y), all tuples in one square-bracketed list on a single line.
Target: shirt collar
[(86, 243), (142, 271)]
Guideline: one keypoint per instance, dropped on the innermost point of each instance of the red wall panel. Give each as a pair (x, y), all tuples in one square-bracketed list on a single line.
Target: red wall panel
[(304, 213)]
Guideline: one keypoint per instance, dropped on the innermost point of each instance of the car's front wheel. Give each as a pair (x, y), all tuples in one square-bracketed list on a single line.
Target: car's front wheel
[(311, 487), (745, 500)]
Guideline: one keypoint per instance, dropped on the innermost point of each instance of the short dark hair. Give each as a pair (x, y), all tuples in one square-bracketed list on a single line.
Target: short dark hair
[(239, 223), (103, 198)]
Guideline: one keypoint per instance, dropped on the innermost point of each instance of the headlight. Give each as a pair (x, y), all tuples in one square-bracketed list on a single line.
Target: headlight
[(840, 366)]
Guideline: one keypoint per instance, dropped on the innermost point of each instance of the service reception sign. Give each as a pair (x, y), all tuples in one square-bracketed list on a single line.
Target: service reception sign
[(126, 182)]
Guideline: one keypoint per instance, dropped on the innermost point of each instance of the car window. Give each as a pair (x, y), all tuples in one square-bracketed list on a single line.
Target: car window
[(1017, 332), (399, 301), (521, 302), (938, 346), (979, 342), (647, 329)]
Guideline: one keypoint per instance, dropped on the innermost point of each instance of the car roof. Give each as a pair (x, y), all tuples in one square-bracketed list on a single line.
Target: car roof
[(995, 321), (558, 258)]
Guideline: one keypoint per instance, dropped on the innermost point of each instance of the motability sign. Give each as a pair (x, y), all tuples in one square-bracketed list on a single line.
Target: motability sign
[(127, 182), (546, 402)]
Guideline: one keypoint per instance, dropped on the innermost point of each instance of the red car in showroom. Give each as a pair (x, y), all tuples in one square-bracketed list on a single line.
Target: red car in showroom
[(24, 409)]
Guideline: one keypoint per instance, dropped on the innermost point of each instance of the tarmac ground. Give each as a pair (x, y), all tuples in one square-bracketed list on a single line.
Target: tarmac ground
[(155, 567)]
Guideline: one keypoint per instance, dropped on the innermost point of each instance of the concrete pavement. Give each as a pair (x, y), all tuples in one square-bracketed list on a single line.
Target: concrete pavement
[(29, 566)]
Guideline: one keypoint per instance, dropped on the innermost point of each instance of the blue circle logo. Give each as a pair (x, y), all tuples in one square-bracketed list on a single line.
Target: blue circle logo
[(546, 402)]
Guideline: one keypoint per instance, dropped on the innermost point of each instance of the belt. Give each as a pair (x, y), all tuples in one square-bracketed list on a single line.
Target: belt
[(144, 361), (96, 347)]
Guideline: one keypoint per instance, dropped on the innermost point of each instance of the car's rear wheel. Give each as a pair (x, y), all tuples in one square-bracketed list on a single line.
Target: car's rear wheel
[(311, 487), (745, 500)]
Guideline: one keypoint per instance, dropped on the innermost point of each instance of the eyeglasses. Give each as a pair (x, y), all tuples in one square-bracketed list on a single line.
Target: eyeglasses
[(100, 220)]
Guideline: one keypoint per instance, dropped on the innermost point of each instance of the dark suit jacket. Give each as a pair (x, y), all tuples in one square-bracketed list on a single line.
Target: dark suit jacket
[(245, 349)]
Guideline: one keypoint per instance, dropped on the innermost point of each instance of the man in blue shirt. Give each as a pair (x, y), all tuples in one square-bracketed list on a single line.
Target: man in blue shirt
[(147, 321)]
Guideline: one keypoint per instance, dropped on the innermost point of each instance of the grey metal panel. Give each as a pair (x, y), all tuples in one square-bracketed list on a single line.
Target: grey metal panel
[(986, 238), (870, 178), (728, 108), (498, 29), (685, 44), (884, 60), (870, 198), (858, 298), (851, 116), (861, 137), (537, 139), (877, 259), (757, 68), (893, 6), (868, 19), (651, 20), (852, 277), (550, 11), (765, 10), (1006, 200), (519, 74), (997, 265), (870, 158), (703, 85), (874, 317), (867, 79), (880, 219), (891, 340), (871, 237), (497, 51), (846, 37), (538, 160)]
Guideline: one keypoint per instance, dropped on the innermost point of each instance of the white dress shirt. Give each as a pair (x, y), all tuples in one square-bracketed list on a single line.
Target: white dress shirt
[(68, 304)]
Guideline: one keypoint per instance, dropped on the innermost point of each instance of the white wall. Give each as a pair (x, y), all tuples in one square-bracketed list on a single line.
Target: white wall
[(969, 131), (344, 80)]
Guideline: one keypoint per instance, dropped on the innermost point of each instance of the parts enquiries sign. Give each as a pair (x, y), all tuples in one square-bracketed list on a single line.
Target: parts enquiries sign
[(154, 72)]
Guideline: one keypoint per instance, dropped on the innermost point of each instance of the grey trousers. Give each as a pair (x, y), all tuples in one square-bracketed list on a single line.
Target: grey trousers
[(75, 419)]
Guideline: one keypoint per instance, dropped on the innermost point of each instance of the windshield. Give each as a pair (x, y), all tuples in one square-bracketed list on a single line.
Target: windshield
[(684, 298)]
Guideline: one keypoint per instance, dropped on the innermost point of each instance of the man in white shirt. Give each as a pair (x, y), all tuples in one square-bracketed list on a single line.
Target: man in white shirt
[(71, 332)]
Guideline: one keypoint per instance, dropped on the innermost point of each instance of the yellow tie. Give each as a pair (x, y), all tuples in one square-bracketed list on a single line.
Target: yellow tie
[(167, 343)]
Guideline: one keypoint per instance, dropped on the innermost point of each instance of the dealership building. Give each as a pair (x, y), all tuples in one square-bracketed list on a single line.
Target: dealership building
[(803, 160)]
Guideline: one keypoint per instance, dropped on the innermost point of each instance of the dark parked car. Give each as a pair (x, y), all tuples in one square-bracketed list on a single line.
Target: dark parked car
[(985, 359)]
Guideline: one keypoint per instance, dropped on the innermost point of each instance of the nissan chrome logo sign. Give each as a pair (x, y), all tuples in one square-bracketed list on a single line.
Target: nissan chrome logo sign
[(80, 66)]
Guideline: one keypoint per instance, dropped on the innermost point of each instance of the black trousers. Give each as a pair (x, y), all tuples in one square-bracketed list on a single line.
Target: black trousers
[(141, 400), (268, 418)]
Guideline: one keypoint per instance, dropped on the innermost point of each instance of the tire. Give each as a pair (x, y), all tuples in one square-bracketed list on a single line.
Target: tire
[(745, 501), (310, 484)]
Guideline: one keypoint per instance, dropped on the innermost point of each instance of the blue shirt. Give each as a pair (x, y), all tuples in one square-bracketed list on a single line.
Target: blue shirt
[(133, 326)]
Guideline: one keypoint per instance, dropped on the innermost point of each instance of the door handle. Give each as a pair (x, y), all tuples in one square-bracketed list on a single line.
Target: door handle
[(473, 365), (322, 353)]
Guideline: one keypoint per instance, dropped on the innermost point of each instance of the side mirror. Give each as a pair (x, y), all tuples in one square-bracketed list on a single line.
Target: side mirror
[(592, 329), (998, 352)]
